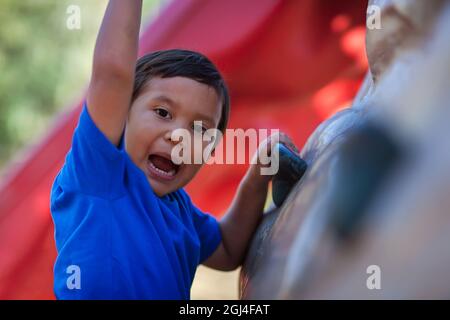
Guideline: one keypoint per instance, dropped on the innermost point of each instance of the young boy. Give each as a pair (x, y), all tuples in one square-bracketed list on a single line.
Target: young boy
[(124, 227)]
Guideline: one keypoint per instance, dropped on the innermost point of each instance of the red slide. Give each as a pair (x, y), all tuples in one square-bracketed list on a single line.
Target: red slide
[(288, 64)]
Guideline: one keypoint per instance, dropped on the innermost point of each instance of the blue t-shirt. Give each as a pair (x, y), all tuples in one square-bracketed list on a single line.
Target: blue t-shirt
[(116, 239)]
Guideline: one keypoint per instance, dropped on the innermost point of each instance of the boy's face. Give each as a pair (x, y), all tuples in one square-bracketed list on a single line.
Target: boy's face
[(164, 105)]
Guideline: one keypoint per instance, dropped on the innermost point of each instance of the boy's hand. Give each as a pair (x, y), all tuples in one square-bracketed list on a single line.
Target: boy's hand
[(254, 173), (245, 212)]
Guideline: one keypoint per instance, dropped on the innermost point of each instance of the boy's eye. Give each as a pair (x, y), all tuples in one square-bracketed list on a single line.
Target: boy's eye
[(199, 128), (163, 113)]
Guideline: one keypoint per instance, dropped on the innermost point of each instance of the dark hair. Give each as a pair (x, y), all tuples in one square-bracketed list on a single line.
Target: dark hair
[(183, 63)]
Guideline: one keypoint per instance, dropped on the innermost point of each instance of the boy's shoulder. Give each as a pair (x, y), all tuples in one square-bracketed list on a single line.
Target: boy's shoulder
[(93, 165)]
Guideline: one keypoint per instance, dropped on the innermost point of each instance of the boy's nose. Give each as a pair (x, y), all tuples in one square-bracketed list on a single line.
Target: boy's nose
[(168, 137)]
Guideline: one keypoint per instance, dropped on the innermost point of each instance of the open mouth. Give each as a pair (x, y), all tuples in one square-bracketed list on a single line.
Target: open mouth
[(162, 167)]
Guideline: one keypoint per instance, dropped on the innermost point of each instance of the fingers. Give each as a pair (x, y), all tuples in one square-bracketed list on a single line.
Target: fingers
[(284, 139), (266, 147)]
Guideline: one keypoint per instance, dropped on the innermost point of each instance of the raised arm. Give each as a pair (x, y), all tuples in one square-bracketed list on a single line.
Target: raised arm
[(115, 56)]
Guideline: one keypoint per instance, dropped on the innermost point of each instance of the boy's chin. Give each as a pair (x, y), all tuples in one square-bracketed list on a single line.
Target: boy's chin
[(161, 189)]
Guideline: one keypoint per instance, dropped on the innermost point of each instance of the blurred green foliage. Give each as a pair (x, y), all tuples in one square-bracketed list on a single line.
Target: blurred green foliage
[(44, 65)]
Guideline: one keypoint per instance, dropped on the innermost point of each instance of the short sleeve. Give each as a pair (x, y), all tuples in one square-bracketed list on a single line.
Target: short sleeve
[(93, 166), (208, 231)]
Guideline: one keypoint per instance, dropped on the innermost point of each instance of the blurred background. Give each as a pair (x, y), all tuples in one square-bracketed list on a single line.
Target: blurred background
[(45, 66), (289, 66)]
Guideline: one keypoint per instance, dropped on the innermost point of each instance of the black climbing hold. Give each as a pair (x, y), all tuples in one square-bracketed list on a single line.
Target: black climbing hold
[(365, 159), (291, 169)]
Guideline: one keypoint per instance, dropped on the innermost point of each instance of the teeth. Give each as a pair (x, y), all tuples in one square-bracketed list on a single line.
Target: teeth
[(171, 173)]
